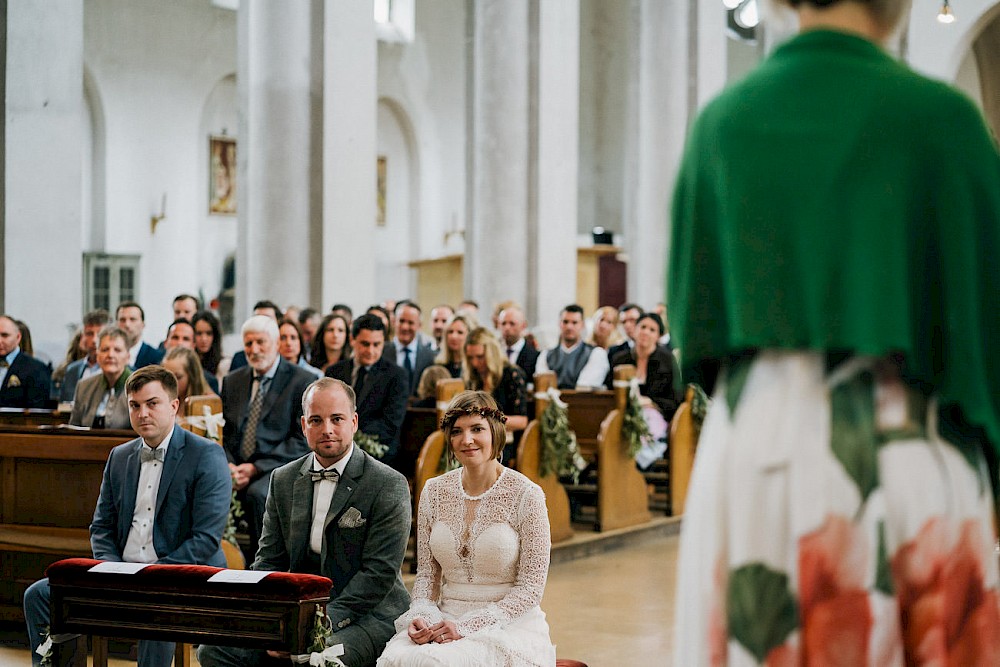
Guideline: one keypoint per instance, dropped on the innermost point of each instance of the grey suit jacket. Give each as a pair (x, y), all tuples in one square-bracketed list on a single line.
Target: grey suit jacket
[(88, 396), (192, 502), (367, 528)]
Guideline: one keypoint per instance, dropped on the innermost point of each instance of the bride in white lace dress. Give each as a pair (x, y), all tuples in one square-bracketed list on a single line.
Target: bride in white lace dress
[(482, 556)]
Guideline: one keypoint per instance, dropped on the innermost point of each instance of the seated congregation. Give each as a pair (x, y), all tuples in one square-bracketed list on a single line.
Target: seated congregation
[(317, 464)]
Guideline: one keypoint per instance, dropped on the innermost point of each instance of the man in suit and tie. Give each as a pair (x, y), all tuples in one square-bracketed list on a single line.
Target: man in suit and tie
[(380, 385), (132, 320), (512, 327), (411, 356), (265, 307), (339, 513), (628, 315), (81, 369), (25, 382), (164, 499), (261, 403)]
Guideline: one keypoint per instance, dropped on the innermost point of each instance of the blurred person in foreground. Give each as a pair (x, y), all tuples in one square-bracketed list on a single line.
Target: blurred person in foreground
[(834, 226)]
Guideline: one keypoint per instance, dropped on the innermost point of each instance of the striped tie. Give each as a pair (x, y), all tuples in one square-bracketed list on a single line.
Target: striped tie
[(249, 444)]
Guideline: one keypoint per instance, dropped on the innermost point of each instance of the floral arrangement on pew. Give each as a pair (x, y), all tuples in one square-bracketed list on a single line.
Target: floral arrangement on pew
[(560, 454), (233, 520), (635, 430), (321, 653), (370, 444), (700, 403)]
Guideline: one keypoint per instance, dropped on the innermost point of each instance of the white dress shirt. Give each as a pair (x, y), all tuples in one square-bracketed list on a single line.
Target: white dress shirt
[(139, 545), (512, 351), (323, 491)]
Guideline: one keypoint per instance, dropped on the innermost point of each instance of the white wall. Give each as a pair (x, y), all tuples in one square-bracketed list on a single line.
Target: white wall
[(154, 66)]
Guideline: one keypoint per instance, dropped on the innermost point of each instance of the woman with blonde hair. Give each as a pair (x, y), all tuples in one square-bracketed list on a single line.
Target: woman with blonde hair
[(604, 330), (488, 369), (186, 366), (452, 354)]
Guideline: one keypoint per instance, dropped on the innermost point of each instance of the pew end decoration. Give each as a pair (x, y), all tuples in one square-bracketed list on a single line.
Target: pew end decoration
[(322, 652), (560, 455), (685, 429), (370, 444), (635, 430)]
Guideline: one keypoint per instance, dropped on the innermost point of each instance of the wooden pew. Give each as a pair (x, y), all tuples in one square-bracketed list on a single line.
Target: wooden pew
[(529, 457), (32, 417), (418, 424), (433, 448), (51, 479), (622, 495), (683, 443)]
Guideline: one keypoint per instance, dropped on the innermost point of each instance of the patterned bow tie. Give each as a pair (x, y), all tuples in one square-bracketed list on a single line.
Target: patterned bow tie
[(147, 454), (318, 475)]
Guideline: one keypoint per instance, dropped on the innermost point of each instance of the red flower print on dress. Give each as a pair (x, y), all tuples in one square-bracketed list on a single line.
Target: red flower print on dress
[(834, 606), (948, 616)]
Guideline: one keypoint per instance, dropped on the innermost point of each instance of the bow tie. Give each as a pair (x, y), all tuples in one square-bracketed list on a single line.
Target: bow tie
[(319, 475), (147, 454)]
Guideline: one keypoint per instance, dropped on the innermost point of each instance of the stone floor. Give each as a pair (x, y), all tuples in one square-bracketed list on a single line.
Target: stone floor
[(609, 601)]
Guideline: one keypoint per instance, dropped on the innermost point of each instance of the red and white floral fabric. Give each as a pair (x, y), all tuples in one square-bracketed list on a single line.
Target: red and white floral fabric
[(830, 523)]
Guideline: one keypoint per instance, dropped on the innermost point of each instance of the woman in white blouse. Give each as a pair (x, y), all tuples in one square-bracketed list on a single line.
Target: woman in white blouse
[(482, 555)]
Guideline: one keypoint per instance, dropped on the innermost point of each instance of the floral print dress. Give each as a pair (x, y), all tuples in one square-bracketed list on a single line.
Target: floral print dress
[(832, 521)]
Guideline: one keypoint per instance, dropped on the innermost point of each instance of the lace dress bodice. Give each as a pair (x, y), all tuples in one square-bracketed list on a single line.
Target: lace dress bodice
[(483, 560)]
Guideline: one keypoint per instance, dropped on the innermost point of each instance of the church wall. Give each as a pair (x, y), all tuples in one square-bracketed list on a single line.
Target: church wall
[(155, 65)]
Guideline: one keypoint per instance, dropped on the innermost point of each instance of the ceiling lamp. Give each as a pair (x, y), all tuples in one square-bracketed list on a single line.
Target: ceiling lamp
[(945, 15)]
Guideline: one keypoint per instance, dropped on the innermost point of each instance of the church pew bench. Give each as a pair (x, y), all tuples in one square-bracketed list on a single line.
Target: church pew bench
[(49, 486)]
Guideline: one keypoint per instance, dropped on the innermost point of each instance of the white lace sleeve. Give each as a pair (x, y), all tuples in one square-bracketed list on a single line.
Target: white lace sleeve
[(532, 526), (427, 585)]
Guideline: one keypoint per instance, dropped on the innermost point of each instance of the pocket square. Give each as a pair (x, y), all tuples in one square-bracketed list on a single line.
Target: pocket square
[(351, 518), (14, 381)]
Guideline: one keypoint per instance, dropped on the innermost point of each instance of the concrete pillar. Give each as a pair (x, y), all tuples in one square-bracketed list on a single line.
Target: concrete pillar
[(41, 47), (275, 162), (658, 103), (348, 156), (522, 154), (553, 225)]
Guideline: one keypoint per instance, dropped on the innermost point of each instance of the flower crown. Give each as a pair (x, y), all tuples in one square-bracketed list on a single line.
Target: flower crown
[(452, 415)]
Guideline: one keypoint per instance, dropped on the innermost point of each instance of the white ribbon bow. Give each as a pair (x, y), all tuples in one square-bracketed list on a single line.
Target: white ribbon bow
[(211, 423), (633, 386), (552, 394), (329, 656)]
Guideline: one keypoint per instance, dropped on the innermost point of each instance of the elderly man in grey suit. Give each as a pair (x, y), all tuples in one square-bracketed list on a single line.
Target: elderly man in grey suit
[(164, 499), (342, 514), (261, 403)]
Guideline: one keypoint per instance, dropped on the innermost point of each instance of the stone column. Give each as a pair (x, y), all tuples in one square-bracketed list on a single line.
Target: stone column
[(275, 162), (41, 47), (658, 103), (347, 272), (522, 154)]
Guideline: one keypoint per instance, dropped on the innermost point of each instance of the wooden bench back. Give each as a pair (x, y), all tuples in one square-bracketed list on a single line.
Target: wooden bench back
[(49, 488), (683, 444), (430, 453)]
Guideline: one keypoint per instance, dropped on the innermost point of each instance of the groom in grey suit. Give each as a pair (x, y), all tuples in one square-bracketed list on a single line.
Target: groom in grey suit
[(342, 514), (164, 499)]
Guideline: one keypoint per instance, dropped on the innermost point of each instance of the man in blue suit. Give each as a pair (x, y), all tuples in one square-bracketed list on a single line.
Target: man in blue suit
[(25, 382), (132, 320), (164, 499)]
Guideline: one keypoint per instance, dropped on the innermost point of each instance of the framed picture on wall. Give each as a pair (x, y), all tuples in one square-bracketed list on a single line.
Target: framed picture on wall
[(380, 192), (222, 175)]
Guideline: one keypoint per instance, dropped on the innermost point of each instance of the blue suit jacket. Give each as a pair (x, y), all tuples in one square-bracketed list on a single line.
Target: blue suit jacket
[(148, 355), (34, 381), (192, 502)]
